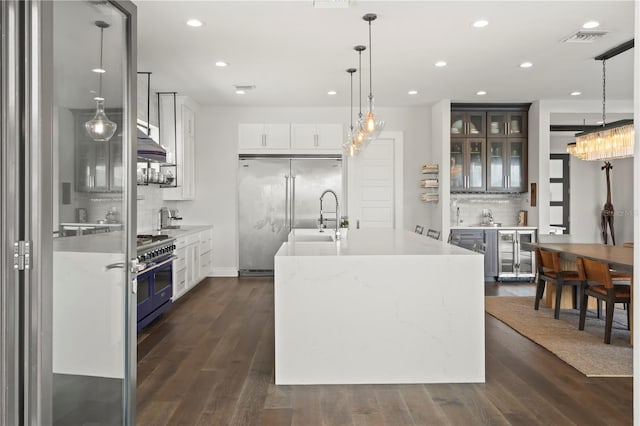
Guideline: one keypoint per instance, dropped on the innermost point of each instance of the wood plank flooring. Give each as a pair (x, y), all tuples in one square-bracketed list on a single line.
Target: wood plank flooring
[(209, 361)]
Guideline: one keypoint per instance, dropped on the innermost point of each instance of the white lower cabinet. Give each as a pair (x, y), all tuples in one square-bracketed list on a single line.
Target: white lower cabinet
[(194, 261)]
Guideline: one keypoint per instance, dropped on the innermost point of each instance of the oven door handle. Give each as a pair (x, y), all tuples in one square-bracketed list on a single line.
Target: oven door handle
[(152, 265)]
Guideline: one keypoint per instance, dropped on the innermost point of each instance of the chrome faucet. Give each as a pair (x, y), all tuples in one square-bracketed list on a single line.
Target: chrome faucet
[(337, 212)]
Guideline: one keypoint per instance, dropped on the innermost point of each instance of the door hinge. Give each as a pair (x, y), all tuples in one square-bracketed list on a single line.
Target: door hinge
[(21, 255)]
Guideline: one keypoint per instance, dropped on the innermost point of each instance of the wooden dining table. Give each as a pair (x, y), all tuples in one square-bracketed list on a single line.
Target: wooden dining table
[(618, 257)]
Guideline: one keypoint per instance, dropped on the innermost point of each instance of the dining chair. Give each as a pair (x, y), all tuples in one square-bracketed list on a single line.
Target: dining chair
[(597, 282), (433, 234), (549, 271), (419, 229)]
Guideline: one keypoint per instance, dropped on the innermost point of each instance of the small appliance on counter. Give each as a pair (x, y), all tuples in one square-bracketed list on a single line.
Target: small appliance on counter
[(166, 217)]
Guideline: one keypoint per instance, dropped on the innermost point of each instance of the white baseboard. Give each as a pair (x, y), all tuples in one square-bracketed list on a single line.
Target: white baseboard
[(224, 272)]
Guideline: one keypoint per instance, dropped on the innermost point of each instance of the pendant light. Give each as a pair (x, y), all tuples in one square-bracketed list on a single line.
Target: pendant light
[(100, 128), (373, 125), (360, 136), (611, 141), (350, 146)]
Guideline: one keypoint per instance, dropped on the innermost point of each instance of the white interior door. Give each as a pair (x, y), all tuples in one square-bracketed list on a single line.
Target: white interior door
[(375, 184)]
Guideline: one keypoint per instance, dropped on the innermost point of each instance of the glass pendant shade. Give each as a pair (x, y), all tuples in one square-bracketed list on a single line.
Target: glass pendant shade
[(373, 123), (100, 128)]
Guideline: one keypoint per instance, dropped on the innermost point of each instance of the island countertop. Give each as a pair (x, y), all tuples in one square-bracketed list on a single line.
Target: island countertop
[(370, 242)]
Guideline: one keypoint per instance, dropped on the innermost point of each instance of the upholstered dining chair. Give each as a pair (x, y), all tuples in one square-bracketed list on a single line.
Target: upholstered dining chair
[(419, 229), (597, 282), (549, 271), (433, 234)]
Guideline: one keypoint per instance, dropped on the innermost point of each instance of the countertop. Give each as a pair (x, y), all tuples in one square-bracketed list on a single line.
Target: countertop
[(374, 242), (183, 230), (494, 227), (92, 225), (106, 242)]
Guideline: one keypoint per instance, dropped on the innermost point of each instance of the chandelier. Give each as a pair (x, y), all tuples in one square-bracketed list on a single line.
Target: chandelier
[(611, 141)]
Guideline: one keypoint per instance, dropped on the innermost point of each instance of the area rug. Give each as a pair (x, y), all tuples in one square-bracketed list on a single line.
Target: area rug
[(583, 350)]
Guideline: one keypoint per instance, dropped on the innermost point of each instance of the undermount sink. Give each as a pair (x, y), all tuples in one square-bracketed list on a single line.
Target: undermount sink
[(312, 235)]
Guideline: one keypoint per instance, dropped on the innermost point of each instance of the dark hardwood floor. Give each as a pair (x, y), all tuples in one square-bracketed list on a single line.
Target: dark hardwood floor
[(209, 361)]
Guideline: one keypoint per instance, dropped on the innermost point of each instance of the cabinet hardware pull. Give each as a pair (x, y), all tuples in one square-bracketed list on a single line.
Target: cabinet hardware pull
[(506, 130)]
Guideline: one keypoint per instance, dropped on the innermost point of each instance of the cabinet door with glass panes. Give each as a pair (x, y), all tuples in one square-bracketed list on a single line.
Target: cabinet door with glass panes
[(507, 165), (468, 123), (506, 123), (467, 165)]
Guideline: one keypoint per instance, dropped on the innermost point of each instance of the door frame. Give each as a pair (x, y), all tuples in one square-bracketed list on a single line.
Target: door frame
[(26, 194), (398, 179)]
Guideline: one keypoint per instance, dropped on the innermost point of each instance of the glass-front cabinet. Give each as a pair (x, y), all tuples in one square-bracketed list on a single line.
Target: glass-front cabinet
[(506, 123), (468, 123), (515, 259), (506, 165), (467, 165)]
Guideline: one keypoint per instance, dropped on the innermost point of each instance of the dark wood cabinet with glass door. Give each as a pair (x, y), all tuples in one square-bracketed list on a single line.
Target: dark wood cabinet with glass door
[(507, 165), (468, 165), (468, 123)]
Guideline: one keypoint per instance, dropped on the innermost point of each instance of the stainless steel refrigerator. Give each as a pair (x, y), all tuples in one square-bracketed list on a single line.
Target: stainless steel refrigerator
[(276, 194)]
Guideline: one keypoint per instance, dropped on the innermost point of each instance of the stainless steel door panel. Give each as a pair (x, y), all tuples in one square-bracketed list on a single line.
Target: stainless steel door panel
[(262, 199), (312, 177)]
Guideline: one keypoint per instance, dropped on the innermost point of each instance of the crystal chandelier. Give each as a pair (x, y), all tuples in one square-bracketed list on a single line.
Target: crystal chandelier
[(100, 128), (611, 141)]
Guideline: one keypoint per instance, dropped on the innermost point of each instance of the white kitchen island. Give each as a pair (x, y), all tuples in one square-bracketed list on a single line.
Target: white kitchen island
[(379, 306)]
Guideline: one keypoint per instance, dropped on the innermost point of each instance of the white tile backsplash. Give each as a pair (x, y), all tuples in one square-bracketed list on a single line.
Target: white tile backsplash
[(149, 203), (504, 207)]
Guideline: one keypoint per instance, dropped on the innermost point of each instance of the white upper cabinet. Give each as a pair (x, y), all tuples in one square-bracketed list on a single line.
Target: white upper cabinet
[(182, 153), (290, 138), (316, 137), (263, 137)]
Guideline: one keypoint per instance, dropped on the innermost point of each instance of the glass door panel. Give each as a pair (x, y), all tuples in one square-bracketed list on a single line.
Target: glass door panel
[(457, 123), (497, 123), (476, 123), (526, 264), (496, 170), (516, 124), (506, 253), (457, 164), (516, 164), (476, 165), (92, 324)]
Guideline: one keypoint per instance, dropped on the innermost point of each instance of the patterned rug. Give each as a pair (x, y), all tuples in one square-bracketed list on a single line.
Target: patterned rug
[(583, 350)]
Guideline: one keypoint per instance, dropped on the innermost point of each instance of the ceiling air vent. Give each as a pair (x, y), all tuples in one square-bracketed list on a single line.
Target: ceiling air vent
[(585, 36)]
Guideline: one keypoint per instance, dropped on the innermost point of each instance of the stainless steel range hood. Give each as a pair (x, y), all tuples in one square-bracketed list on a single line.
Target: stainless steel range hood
[(149, 150)]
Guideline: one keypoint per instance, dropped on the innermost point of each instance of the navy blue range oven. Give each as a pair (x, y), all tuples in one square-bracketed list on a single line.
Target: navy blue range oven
[(155, 286)]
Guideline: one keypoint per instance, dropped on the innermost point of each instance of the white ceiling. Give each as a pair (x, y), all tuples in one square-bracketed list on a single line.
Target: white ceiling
[(294, 53)]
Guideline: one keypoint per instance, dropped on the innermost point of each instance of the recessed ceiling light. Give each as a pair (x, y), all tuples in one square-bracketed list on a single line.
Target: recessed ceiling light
[(440, 64), (99, 70), (412, 92), (481, 93), (526, 65), (194, 23), (332, 92), (481, 23), (221, 64), (575, 93), (591, 24), (240, 92)]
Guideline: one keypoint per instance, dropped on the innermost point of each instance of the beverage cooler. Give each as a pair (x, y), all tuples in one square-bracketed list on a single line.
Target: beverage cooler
[(515, 262)]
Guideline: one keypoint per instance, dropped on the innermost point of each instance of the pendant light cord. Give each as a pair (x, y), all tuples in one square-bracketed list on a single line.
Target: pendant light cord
[(101, 69), (351, 109), (604, 91), (360, 79), (370, 72)]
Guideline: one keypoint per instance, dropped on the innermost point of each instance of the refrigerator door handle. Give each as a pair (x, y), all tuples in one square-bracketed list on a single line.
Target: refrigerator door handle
[(293, 201), (286, 202)]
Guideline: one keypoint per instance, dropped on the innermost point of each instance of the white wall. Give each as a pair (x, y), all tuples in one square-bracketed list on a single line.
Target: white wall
[(216, 162), (588, 193), (440, 153)]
